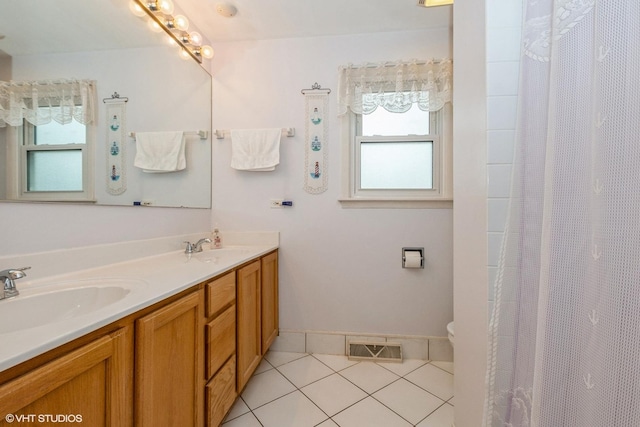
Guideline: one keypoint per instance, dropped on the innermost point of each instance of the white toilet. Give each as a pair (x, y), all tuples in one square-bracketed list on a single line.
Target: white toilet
[(450, 332)]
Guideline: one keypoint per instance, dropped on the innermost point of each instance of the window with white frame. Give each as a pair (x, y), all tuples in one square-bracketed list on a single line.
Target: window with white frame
[(395, 135), (50, 138)]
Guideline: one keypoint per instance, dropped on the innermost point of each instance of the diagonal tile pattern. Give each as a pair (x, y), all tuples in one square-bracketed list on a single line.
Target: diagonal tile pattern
[(299, 390)]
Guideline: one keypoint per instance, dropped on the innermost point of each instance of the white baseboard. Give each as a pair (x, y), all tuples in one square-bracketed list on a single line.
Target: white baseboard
[(322, 342)]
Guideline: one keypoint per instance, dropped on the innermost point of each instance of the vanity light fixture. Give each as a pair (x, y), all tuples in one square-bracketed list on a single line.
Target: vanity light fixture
[(431, 3), (160, 13)]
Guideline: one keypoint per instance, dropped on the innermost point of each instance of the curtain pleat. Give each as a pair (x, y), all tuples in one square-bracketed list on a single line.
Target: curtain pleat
[(40, 102), (394, 86)]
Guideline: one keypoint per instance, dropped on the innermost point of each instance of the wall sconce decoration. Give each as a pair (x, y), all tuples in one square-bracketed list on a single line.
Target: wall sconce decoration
[(160, 12)]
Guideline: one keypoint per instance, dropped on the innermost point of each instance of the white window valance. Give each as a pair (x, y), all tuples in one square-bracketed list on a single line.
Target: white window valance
[(39, 102), (395, 86)]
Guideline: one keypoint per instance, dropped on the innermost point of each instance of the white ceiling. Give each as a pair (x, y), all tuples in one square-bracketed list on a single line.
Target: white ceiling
[(37, 26), (270, 19)]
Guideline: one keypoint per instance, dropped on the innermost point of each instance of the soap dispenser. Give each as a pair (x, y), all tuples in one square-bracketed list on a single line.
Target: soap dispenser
[(217, 240)]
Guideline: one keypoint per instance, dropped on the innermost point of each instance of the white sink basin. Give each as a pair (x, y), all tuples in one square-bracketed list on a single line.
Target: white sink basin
[(214, 255), (35, 308)]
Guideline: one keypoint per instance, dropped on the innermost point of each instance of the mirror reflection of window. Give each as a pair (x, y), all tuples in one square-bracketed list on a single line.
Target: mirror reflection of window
[(54, 170), (54, 159)]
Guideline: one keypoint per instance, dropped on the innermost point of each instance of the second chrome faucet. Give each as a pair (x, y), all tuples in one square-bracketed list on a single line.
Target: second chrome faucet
[(8, 288), (197, 247)]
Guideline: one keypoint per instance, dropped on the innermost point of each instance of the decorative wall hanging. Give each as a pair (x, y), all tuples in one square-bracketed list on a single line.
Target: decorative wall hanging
[(316, 131), (116, 149)]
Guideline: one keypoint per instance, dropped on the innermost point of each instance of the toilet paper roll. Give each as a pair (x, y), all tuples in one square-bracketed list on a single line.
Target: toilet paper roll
[(412, 259)]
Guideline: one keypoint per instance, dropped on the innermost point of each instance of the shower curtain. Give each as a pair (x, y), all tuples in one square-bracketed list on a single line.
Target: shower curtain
[(564, 345)]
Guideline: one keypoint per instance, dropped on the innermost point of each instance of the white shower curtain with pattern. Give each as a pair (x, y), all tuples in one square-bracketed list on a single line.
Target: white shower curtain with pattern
[(564, 345)]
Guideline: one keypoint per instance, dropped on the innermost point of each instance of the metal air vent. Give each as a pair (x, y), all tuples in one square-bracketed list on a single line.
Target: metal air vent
[(379, 352)]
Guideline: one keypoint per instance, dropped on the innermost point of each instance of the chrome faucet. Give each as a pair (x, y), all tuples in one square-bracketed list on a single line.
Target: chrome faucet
[(197, 247), (7, 277)]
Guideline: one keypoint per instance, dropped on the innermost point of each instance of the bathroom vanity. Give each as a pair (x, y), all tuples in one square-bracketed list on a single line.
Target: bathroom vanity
[(162, 355)]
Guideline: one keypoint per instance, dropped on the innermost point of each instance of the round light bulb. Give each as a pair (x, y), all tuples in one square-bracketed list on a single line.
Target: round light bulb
[(154, 26), (171, 41), (166, 6), (136, 9), (181, 22), (206, 52), (184, 54), (195, 38)]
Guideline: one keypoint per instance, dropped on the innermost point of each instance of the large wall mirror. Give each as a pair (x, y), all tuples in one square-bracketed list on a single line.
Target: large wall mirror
[(104, 42)]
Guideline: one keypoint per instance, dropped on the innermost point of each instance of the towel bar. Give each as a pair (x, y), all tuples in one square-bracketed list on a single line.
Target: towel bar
[(286, 131), (203, 134)]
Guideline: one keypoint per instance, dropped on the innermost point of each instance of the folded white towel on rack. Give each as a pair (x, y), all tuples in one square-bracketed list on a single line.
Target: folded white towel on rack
[(158, 152), (255, 149)]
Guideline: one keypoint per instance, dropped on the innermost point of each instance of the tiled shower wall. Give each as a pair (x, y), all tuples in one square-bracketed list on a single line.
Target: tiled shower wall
[(504, 25)]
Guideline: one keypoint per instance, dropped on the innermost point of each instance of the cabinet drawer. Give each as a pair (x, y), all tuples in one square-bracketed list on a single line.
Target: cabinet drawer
[(221, 340), (220, 293), (220, 393)]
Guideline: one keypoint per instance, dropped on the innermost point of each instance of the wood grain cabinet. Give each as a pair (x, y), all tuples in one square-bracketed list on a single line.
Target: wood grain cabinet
[(220, 360), (89, 386), (169, 364), (181, 362), (257, 319), (269, 299), (249, 351)]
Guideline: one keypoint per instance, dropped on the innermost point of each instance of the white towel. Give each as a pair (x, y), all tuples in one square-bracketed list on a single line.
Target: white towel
[(158, 152), (255, 149)]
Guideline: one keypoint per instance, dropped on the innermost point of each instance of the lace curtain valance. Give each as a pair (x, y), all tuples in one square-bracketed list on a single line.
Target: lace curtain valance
[(394, 86), (39, 102)]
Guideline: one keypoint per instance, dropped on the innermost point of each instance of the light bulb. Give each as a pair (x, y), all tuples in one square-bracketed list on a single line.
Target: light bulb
[(171, 41), (181, 22), (195, 38), (166, 6), (206, 52), (136, 9), (154, 26), (184, 54)]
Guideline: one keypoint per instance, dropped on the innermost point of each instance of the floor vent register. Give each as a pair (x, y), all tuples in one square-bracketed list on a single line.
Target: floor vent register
[(378, 352)]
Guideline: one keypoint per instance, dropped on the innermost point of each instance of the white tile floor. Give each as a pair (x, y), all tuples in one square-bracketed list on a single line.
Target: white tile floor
[(300, 390)]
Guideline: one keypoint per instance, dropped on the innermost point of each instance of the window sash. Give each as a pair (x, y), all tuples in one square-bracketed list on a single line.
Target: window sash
[(358, 190), (25, 140), (30, 176)]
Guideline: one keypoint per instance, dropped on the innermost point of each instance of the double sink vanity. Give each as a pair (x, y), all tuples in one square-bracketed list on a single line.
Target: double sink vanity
[(168, 339)]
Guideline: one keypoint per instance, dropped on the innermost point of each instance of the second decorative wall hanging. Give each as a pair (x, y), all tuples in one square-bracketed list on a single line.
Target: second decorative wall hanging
[(316, 131), (116, 159)]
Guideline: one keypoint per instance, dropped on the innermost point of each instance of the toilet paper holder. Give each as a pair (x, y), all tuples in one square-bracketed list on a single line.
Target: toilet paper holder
[(412, 253)]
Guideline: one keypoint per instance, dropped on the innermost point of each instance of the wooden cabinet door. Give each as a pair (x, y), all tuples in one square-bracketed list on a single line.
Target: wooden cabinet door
[(269, 297), (221, 393), (89, 386), (169, 365), (248, 351)]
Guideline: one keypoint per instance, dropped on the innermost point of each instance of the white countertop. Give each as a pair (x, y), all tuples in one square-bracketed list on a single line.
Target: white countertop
[(157, 277)]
